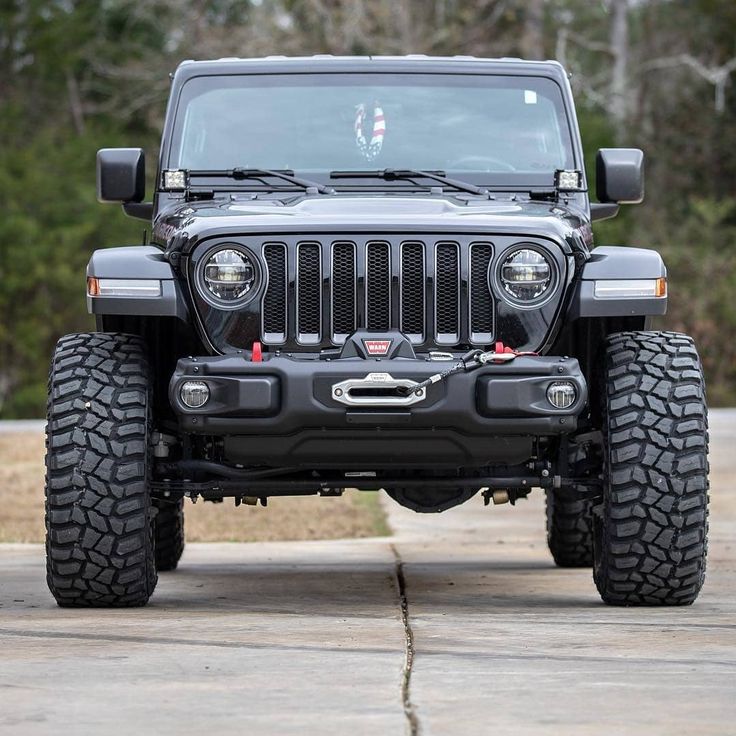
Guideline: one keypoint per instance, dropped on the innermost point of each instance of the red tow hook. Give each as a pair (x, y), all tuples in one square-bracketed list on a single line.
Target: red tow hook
[(500, 348), (257, 352)]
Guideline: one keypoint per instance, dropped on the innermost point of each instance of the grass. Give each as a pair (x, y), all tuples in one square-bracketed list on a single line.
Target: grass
[(354, 515)]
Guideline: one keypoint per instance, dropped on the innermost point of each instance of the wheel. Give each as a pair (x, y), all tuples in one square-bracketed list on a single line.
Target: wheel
[(570, 528), (650, 532), (169, 526), (99, 520), (569, 517)]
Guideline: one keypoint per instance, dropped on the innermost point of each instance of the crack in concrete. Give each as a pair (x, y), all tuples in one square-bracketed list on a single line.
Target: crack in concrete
[(412, 721)]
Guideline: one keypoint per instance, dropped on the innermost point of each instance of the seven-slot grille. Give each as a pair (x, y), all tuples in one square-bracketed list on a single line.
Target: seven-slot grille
[(436, 292)]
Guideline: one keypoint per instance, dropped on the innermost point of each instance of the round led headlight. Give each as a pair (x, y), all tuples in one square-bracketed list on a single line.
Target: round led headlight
[(229, 275), (526, 275)]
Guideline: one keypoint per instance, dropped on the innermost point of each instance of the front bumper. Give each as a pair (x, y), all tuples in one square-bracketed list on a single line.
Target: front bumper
[(288, 411)]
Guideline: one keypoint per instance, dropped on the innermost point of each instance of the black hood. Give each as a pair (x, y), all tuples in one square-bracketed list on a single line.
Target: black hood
[(181, 225)]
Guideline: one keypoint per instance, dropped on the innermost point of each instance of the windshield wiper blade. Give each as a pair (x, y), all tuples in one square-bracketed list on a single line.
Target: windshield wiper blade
[(240, 173), (396, 174)]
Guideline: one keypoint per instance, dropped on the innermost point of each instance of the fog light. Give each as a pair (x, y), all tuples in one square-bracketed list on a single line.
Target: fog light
[(562, 394), (194, 394)]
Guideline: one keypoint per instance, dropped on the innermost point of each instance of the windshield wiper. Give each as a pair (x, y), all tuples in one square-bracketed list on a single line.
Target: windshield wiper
[(397, 174), (240, 173)]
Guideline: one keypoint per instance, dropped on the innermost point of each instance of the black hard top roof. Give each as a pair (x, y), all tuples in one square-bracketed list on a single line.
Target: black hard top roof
[(397, 64)]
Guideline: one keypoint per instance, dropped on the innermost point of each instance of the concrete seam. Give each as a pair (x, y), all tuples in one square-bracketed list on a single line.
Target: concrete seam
[(412, 721)]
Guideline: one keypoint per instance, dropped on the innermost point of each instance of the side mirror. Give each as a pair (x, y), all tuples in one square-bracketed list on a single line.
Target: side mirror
[(619, 175), (121, 175)]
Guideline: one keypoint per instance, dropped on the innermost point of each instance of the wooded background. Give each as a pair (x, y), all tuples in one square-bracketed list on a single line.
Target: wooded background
[(78, 75)]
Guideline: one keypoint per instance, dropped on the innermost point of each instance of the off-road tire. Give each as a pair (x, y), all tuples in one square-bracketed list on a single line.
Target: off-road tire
[(570, 528), (99, 520), (650, 532), (569, 516), (169, 526)]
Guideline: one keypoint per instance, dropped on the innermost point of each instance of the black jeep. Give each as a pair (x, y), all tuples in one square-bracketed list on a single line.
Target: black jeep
[(375, 273)]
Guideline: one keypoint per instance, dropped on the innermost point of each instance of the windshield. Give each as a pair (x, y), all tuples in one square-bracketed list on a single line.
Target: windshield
[(508, 126)]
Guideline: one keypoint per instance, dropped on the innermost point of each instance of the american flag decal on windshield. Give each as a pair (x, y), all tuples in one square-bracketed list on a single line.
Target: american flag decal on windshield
[(370, 149)]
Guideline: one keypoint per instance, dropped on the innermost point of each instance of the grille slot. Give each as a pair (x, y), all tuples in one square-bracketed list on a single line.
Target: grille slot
[(309, 293), (412, 290), (481, 299), (343, 280), (434, 290), (273, 311), (447, 293), (378, 286)]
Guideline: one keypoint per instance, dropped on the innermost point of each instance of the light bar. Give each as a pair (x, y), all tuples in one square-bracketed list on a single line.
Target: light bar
[(175, 179), (123, 287), (630, 288)]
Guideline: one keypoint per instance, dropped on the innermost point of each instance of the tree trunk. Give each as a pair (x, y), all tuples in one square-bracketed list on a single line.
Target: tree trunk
[(75, 103), (619, 106), (532, 35)]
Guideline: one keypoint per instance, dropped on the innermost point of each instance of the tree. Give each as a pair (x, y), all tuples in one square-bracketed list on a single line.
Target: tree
[(77, 75)]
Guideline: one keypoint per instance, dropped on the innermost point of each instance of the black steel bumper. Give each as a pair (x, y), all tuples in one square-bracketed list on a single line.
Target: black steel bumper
[(288, 411)]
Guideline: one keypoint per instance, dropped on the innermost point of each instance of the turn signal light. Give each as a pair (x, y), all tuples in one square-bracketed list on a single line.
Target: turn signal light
[(143, 288), (630, 288)]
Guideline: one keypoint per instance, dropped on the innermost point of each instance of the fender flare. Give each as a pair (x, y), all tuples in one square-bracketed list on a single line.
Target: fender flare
[(618, 263), (139, 263)]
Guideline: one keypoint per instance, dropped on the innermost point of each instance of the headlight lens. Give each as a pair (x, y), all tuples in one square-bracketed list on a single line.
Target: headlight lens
[(526, 275), (229, 274)]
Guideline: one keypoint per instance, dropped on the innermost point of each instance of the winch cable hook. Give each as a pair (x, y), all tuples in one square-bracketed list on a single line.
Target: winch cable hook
[(470, 361)]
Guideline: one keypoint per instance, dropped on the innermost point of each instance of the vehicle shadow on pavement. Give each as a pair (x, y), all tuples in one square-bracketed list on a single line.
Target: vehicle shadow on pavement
[(342, 588), (288, 589)]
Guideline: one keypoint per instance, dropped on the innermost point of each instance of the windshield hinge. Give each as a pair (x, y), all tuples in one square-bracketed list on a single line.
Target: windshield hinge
[(199, 194)]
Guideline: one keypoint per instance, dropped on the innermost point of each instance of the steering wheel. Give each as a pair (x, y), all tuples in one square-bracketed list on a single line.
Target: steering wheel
[(493, 164)]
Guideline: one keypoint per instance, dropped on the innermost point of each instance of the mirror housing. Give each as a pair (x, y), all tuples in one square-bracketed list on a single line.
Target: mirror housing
[(121, 175), (619, 175)]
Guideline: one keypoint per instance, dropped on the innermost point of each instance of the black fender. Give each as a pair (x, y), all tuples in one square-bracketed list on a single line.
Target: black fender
[(617, 263), (140, 263)]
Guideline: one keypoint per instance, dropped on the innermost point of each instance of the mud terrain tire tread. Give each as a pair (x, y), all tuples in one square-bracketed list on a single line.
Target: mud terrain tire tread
[(651, 529), (570, 529), (99, 536), (169, 533)]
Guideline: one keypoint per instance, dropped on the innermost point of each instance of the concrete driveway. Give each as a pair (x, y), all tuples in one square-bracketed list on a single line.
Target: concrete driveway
[(315, 638)]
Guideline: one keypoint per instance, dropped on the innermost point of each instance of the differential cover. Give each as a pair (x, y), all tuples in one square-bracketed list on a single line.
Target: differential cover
[(430, 499)]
